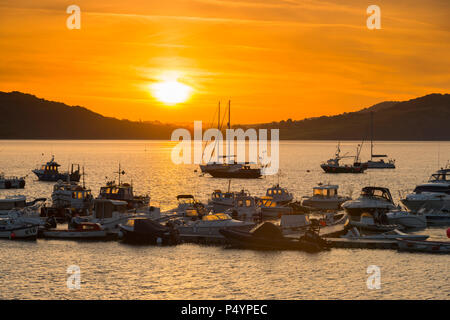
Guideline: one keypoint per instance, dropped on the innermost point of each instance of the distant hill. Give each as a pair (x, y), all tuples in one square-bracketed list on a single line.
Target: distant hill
[(24, 116), (424, 118)]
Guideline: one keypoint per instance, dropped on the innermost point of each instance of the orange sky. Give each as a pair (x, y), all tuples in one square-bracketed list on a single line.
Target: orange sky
[(275, 59)]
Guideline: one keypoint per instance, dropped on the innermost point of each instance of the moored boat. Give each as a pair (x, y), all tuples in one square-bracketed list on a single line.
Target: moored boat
[(424, 246), (279, 195), (325, 197), (146, 231), (371, 200), (11, 182), (83, 230), (334, 166), (16, 228), (50, 172)]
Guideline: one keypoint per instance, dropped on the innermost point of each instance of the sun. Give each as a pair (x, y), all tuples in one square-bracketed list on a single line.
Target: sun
[(171, 91)]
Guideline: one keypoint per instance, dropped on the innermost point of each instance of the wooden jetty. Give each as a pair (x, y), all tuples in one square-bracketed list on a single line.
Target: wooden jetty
[(362, 243)]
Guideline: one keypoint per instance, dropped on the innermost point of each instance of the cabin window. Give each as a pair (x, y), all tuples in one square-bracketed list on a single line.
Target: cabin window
[(317, 192), (130, 223), (240, 203), (248, 203), (269, 192)]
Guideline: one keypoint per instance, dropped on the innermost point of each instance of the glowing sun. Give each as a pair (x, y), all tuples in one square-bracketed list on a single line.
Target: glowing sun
[(171, 91)]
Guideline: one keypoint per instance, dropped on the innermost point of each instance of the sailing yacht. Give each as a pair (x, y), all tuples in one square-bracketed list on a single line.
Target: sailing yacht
[(230, 169), (378, 164)]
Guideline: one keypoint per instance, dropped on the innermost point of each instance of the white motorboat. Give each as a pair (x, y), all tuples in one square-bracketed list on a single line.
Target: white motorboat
[(208, 226), (390, 235), (17, 228), (271, 208), (109, 214), (432, 195), (83, 230), (371, 200), (279, 195), (407, 219), (245, 208), (222, 201), (325, 197), (370, 224)]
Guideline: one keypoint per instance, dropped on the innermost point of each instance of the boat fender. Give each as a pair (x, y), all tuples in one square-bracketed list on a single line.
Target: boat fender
[(120, 235), (12, 235), (448, 233), (158, 241)]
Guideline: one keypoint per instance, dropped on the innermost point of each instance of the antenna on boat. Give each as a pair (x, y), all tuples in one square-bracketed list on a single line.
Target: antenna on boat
[(83, 179), (229, 184), (119, 173)]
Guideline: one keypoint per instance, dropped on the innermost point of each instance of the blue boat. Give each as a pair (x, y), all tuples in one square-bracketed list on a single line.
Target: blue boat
[(49, 172)]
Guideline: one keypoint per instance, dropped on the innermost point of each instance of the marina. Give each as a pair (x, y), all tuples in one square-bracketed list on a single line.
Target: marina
[(196, 225)]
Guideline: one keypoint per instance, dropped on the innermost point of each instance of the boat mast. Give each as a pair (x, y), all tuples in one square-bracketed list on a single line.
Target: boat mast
[(119, 173), (229, 127), (371, 135)]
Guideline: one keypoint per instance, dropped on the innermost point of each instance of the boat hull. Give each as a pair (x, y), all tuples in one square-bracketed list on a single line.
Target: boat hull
[(23, 233), (57, 176), (416, 205), (238, 174), (424, 246), (67, 234), (343, 169), (12, 183)]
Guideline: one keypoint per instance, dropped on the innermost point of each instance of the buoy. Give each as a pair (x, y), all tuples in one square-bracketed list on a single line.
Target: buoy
[(448, 233), (12, 235)]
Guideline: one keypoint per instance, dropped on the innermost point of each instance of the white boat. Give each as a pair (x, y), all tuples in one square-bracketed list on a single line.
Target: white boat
[(83, 230), (17, 228), (186, 204), (370, 224), (407, 219), (432, 195), (109, 214), (436, 217), (325, 197), (11, 182), (279, 195), (371, 200), (245, 208), (271, 208), (222, 201), (208, 226), (424, 246), (390, 235)]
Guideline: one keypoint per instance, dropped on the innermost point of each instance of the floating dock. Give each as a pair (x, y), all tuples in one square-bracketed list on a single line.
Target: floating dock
[(362, 243)]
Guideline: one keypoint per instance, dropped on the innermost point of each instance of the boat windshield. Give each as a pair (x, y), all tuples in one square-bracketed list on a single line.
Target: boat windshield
[(431, 188), (216, 217), (321, 192), (440, 177)]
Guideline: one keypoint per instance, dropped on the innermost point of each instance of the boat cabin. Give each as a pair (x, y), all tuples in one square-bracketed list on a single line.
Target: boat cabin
[(325, 191), (113, 191), (104, 208), (77, 192), (267, 202), (377, 193), (277, 191), (245, 202)]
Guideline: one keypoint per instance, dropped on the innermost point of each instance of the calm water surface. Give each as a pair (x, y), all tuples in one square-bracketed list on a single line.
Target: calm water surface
[(112, 270)]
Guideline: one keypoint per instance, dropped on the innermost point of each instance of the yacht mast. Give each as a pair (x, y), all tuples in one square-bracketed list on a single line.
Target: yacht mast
[(371, 135)]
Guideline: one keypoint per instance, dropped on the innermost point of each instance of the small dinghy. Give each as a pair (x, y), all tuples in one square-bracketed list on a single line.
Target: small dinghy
[(83, 230), (147, 231), (269, 237), (354, 234), (424, 246)]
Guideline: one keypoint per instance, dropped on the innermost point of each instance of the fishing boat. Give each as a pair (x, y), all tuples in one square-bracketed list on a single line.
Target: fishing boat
[(279, 195), (109, 214), (381, 163), (50, 172), (371, 200), (72, 195), (17, 228), (146, 231), (11, 182), (82, 230), (123, 192), (267, 236), (271, 208), (187, 204), (432, 195), (334, 166), (424, 246), (325, 197)]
